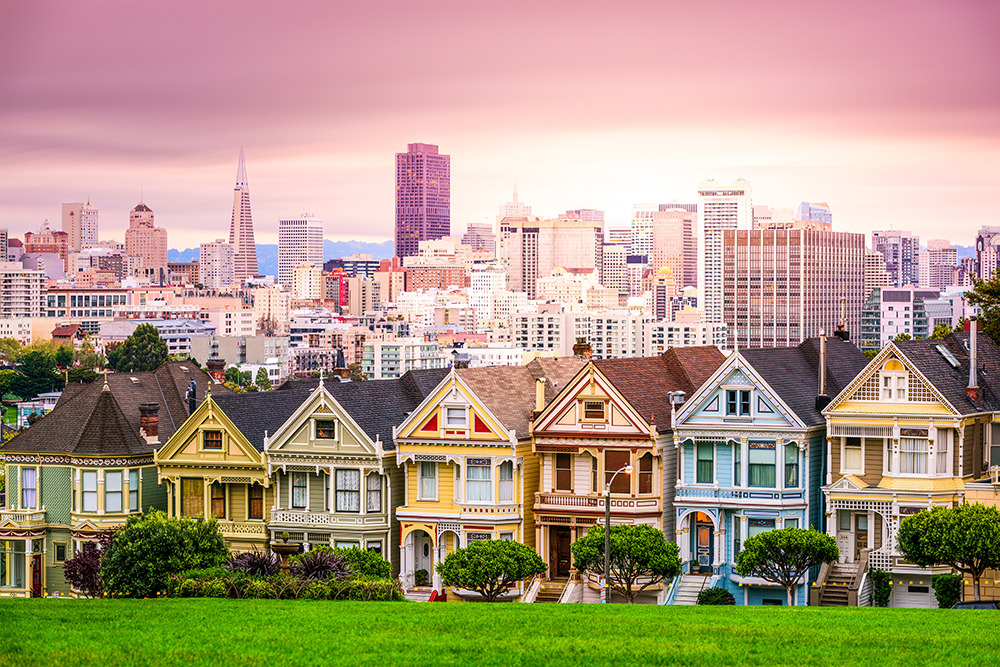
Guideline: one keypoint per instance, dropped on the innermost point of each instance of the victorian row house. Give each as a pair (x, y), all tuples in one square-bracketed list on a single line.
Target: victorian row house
[(751, 448)]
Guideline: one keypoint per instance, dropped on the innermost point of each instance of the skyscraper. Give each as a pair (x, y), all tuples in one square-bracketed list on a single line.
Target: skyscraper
[(720, 208), (814, 212), (537, 246), (901, 251), (215, 264), (674, 246), (146, 242), (480, 236), (642, 229), (987, 252), (423, 197), (241, 228), (937, 265), (299, 240), (79, 221)]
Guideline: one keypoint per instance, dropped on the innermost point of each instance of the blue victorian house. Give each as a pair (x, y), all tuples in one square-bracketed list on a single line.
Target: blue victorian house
[(750, 444)]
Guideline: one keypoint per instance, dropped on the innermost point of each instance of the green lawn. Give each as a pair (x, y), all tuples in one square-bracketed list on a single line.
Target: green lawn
[(194, 632)]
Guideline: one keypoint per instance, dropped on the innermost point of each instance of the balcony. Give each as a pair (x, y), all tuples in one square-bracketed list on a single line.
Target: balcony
[(692, 494), (252, 529), (592, 504), (303, 519), (23, 518)]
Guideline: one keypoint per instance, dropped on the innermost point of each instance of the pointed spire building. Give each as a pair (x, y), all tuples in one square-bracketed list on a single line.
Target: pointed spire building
[(241, 227)]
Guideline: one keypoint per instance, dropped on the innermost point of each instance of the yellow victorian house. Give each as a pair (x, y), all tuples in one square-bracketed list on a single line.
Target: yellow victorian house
[(468, 470)]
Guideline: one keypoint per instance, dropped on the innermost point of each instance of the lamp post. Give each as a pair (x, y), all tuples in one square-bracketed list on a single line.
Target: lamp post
[(605, 589)]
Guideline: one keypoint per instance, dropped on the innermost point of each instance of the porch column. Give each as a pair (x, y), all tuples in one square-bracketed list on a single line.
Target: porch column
[(436, 553), (719, 532)]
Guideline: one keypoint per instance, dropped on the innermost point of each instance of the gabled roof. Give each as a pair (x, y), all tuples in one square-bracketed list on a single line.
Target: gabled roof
[(793, 372), (257, 413), (646, 382), (952, 381), (91, 423)]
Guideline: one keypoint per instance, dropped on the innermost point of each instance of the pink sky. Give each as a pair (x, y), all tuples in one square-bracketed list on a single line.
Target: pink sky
[(888, 111)]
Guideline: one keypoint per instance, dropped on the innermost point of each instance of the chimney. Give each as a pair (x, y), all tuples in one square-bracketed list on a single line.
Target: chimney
[(842, 333), (582, 349), (822, 400), (539, 397), (973, 389), (149, 421), (217, 369)]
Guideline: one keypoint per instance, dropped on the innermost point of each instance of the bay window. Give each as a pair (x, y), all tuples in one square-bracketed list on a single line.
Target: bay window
[(12, 563), (478, 482), (427, 489), (218, 501), (374, 493), (761, 464), (113, 491), (594, 483), (706, 463), (349, 490), (564, 472), (192, 497), (300, 490), (29, 491), (90, 491), (913, 455), (646, 473), (791, 466), (256, 498), (133, 490), (506, 474), (758, 526), (737, 464), (853, 460), (613, 462)]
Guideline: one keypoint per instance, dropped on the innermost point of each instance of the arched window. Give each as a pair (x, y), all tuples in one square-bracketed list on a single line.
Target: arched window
[(894, 381)]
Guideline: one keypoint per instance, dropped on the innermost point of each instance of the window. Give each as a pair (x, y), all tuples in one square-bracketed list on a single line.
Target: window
[(506, 474), (326, 492), (593, 410), (113, 491), (913, 455), (706, 463), (738, 402), (12, 563), (477, 537), (564, 472), (326, 430), (133, 490), (59, 553), (760, 464), (843, 520), (758, 526), (455, 417), (791, 523), (507, 537), (256, 497), (349, 490), (340, 544), (942, 445), (613, 462), (375, 546), (894, 381), (300, 490), (90, 491), (737, 525), (646, 473), (594, 484), (744, 402), (213, 439), (853, 459), (218, 501), (478, 485), (192, 497), (428, 481), (791, 466), (737, 463), (374, 493), (28, 487)]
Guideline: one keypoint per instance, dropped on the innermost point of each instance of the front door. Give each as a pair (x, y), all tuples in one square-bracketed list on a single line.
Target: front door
[(860, 535), (703, 547), (36, 576), (559, 555), (422, 558)]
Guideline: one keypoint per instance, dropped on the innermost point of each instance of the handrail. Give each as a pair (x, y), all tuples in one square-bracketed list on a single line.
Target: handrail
[(532, 592), (860, 571), (672, 592), (816, 591)]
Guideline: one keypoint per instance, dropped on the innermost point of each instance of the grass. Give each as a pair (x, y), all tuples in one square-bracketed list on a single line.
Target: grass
[(192, 632)]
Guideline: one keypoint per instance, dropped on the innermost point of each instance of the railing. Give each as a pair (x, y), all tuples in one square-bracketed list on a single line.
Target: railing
[(865, 591), (243, 528), (672, 589), (303, 518), (644, 503), (21, 517), (532, 592), (564, 501), (859, 576), (738, 494), (816, 591)]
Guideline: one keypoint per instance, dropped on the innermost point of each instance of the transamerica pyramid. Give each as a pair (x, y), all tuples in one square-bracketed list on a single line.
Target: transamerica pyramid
[(241, 228)]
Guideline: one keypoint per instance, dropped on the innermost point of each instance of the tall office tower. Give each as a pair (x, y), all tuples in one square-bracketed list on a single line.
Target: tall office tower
[(619, 236), (674, 245), (587, 214), (781, 286), (900, 250), (23, 293), (537, 246), (814, 212), (480, 236), (513, 207), (146, 242), (614, 267), (307, 281), (79, 221), (875, 273), (987, 252), (937, 265), (720, 208), (664, 289), (215, 264), (642, 229), (241, 227), (299, 240), (3, 245), (423, 197)]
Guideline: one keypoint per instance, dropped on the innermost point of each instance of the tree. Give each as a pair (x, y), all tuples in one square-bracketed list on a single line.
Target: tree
[(783, 556), (490, 567), (356, 373), (10, 350), (144, 350), (232, 375), (267, 326), (966, 537), (152, 546), (63, 356), (36, 375), (82, 375), (246, 378), (83, 570), (263, 381), (7, 377), (640, 557), (986, 295), (941, 330), (903, 336), (113, 353)]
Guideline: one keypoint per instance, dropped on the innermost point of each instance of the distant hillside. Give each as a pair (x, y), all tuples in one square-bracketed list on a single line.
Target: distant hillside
[(267, 254)]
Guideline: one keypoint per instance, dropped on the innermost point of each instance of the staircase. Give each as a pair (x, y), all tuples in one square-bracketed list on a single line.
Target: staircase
[(689, 587), (419, 594), (837, 590), (551, 590)]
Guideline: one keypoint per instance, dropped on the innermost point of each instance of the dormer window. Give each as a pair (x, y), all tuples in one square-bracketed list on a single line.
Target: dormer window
[(738, 402), (894, 381), (326, 430), (455, 417), (594, 410)]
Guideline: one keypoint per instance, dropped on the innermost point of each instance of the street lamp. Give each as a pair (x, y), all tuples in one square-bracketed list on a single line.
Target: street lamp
[(605, 592)]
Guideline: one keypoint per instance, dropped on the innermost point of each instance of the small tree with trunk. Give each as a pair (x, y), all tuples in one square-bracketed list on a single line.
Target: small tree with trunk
[(144, 350), (640, 557), (966, 537), (83, 570), (490, 567), (783, 556), (262, 381)]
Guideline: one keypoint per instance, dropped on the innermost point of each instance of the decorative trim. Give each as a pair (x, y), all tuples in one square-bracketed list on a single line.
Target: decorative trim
[(78, 461)]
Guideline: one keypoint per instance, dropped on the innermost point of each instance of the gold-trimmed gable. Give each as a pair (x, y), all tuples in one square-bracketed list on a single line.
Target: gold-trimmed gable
[(321, 425), (208, 438), (453, 412), (588, 404)]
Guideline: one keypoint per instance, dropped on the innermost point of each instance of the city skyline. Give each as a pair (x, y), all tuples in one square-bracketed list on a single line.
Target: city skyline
[(910, 145)]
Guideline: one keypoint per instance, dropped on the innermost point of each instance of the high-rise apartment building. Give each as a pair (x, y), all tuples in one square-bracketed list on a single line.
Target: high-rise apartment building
[(642, 229), (299, 240), (936, 265), (814, 212), (215, 264), (987, 252), (480, 236), (674, 245), (3, 245), (79, 221), (901, 251), (22, 292), (308, 281), (145, 243), (875, 273), (47, 241), (781, 286), (720, 208), (363, 295), (621, 236), (537, 246), (241, 227), (423, 197), (614, 271)]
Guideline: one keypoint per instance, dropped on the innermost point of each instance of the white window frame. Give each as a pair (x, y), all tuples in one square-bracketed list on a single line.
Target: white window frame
[(843, 457), (137, 505), (34, 487), (291, 490), (315, 428), (369, 491), (505, 487), (479, 482), (448, 416), (109, 493), (926, 452), (361, 488), (898, 381), (421, 477), (84, 491)]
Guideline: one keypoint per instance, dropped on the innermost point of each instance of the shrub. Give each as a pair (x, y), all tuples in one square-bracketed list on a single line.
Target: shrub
[(948, 589), (316, 590), (421, 577), (83, 571), (286, 587), (715, 596), (490, 567), (881, 587), (320, 565), (259, 589), (366, 590), (190, 588), (366, 563), (151, 547), (256, 562)]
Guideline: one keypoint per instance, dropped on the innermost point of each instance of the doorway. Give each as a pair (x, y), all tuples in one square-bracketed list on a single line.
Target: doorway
[(423, 550), (860, 535), (702, 547), (559, 553), (36, 576)]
